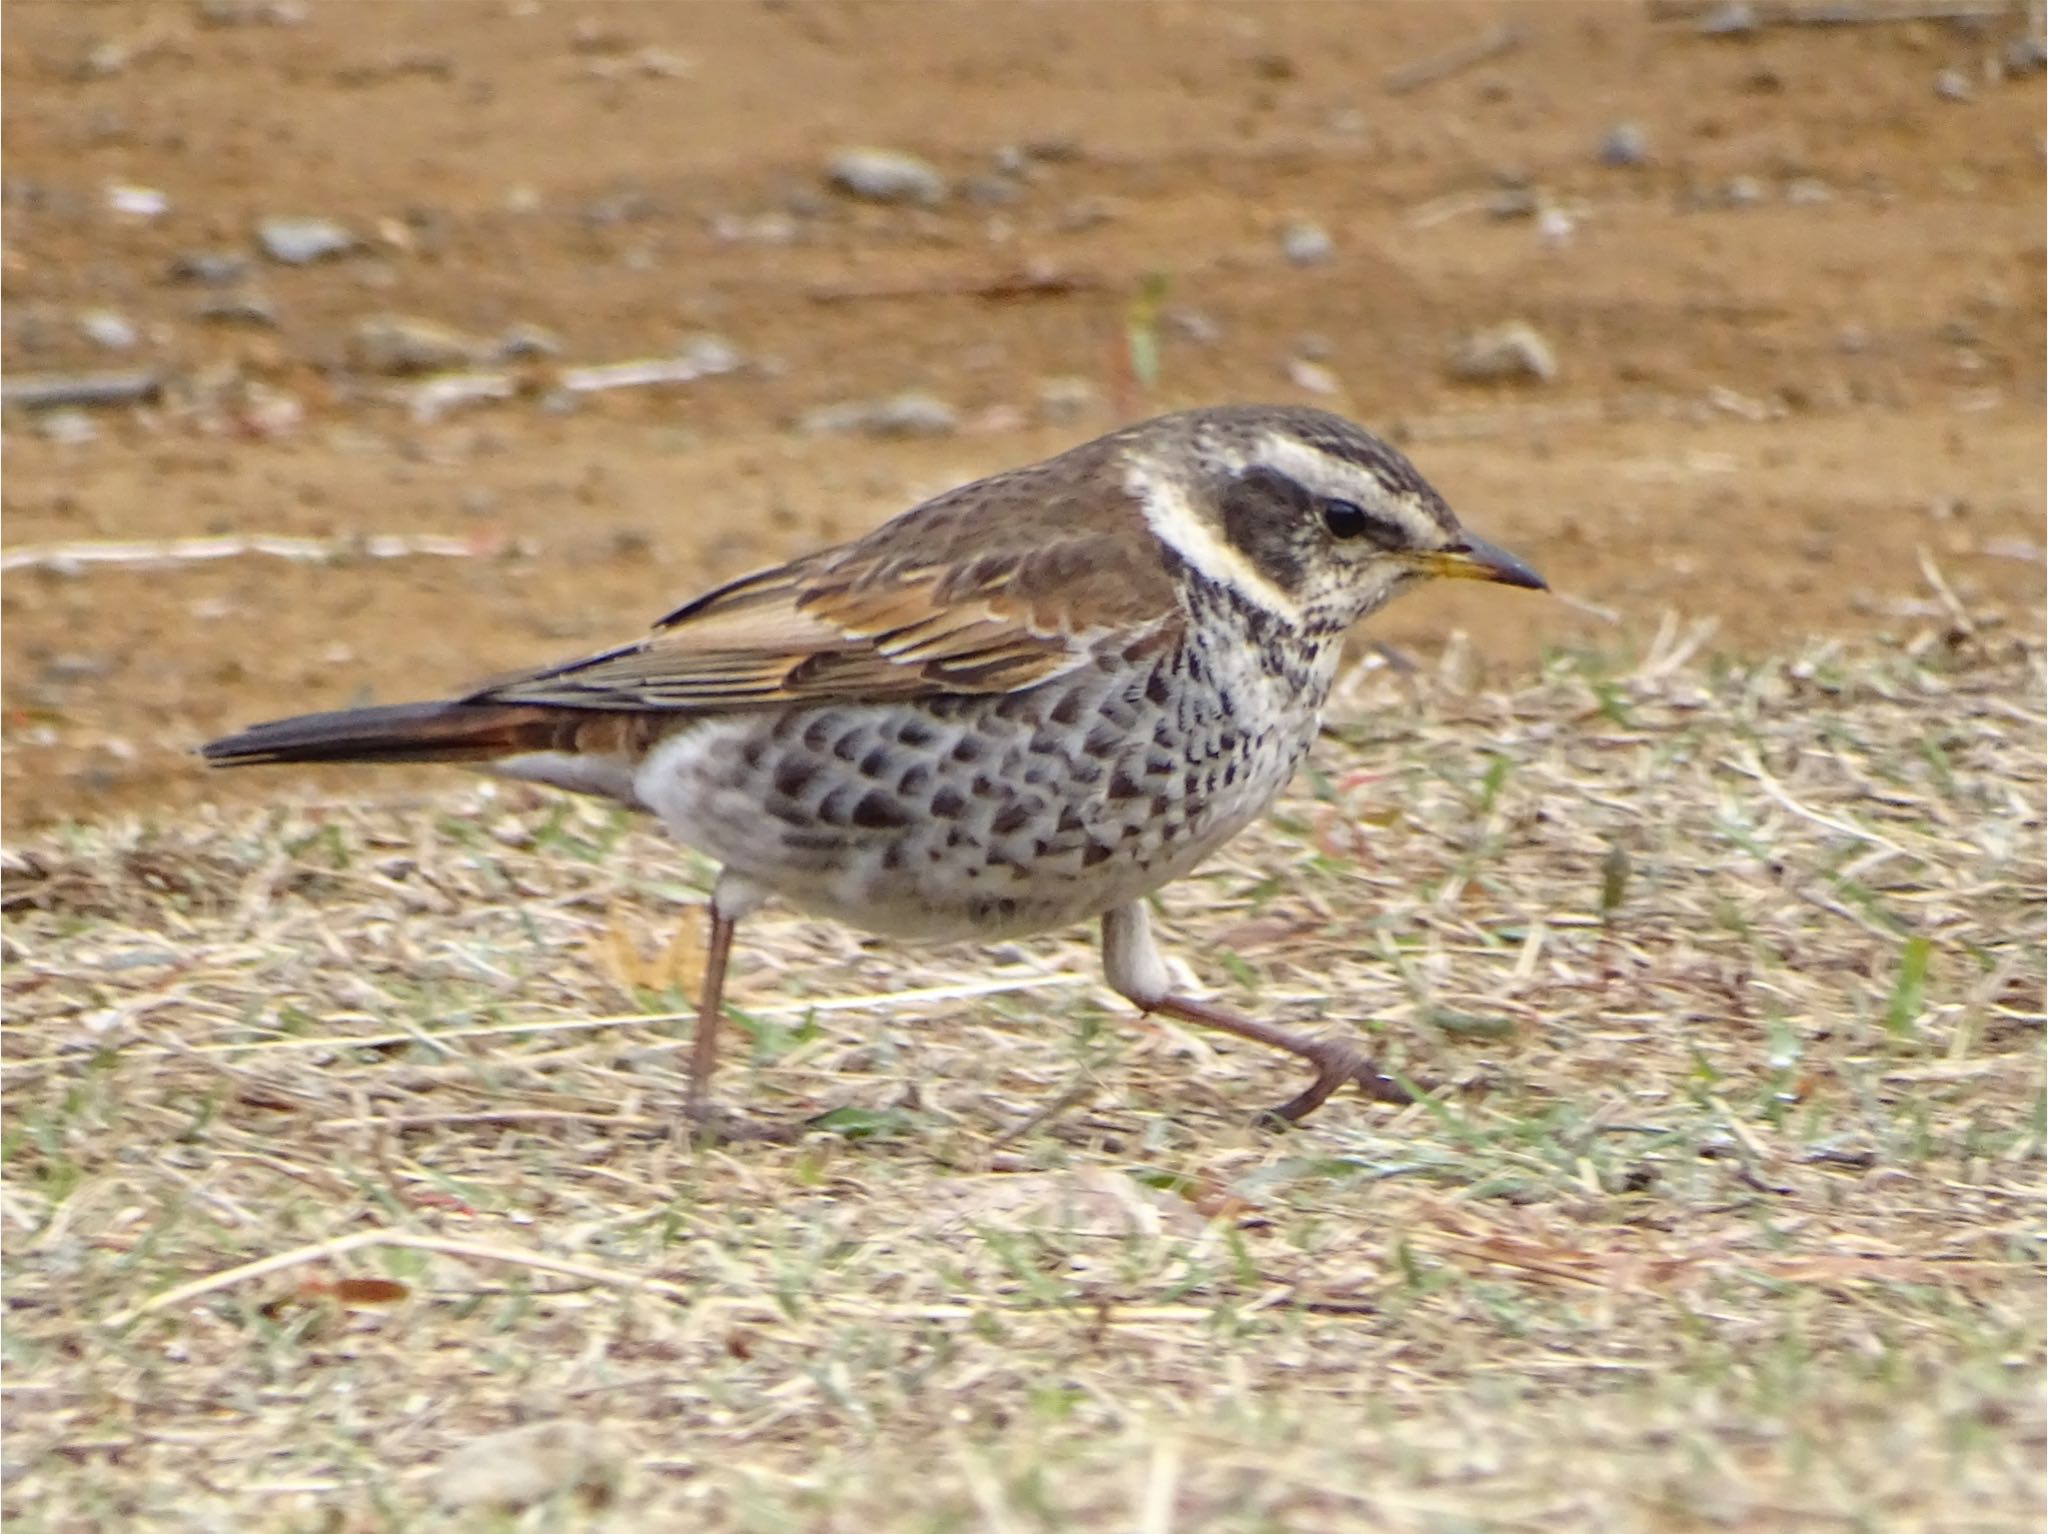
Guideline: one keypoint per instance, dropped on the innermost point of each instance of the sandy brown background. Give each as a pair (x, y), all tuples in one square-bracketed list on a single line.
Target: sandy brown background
[(1800, 347)]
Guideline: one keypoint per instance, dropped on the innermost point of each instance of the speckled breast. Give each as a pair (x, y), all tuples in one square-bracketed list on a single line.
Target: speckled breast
[(998, 815)]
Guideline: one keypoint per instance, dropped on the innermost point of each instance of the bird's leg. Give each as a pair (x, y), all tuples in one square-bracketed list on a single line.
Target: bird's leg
[(710, 1012), (1134, 969), (732, 898)]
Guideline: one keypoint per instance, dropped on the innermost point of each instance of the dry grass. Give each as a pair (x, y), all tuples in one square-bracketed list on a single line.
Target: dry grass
[(1727, 1211)]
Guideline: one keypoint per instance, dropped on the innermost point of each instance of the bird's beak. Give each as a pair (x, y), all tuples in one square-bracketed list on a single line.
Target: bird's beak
[(1474, 559)]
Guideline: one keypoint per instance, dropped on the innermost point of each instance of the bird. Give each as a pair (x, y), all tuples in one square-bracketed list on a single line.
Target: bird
[(1024, 703)]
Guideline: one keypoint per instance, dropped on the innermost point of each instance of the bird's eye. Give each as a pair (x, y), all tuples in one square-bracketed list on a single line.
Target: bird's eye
[(1345, 519)]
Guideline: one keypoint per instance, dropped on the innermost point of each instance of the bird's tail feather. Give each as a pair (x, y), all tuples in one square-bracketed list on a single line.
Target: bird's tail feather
[(398, 732)]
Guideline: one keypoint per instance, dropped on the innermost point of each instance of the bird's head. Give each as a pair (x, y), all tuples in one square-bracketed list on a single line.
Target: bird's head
[(1301, 512)]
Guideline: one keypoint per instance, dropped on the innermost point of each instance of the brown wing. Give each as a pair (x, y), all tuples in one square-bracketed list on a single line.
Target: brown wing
[(996, 586)]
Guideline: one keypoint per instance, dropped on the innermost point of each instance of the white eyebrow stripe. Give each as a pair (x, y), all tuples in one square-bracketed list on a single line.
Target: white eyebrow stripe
[(1312, 470), (1175, 522), (1322, 475)]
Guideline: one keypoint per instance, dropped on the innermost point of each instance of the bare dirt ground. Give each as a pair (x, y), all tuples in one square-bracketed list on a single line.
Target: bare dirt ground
[(342, 1183), (1797, 346)]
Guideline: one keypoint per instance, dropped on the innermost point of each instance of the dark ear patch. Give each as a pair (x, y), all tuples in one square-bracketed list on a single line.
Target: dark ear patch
[(1265, 515)]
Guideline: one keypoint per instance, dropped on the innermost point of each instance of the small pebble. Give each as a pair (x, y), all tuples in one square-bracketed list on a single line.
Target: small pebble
[(989, 191), (1514, 352), (658, 63), (1312, 376), (251, 13), (772, 228), (1735, 19), (108, 328), (1061, 400), (105, 125), (1087, 213), (626, 205), (911, 414), (216, 268), (2024, 550), (104, 59), (132, 201), (590, 35), (1625, 146), (400, 344), (524, 343), (62, 670), (885, 176), (802, 201), (67, 426), (1054, 149), (652, 62), (1193, 325), (301, 241), (2024, 55), (1952, 85), (267, 412), (1808, 192), (1742, 192), (1512, 202), (710, 354), (1305, 242), (246, 307)]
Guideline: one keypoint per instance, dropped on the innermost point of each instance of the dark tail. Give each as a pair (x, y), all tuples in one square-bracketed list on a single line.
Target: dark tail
[(398, 732)]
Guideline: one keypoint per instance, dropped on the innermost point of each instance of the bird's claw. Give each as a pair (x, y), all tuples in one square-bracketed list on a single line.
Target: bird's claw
[(1336, 1064)]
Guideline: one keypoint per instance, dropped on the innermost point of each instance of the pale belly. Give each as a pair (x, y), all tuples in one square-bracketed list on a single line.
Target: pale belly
[(986, 817)]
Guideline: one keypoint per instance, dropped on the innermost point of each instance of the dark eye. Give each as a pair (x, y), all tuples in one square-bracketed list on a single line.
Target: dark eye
[(1346, 519)]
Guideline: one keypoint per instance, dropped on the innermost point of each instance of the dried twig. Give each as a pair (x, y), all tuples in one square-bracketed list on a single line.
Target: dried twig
[(637, 374), (52, 391), (1588, 608), (1036, 281), (177, 551), (1959, 615), (1747, 761), (324, 1251), (434, 397), (1454, 60), (871, 1000), (1755, 14)]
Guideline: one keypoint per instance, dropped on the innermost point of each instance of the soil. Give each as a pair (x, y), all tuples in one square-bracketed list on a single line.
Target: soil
[(1799, 346)]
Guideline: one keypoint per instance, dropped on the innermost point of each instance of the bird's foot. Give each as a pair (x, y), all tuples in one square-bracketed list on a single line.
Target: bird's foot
[(1336, 1064)]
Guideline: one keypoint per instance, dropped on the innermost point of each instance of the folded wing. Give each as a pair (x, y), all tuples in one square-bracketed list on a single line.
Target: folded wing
[(863, 625)]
